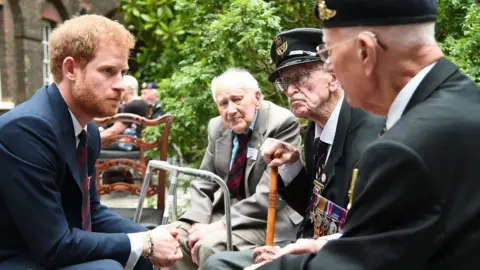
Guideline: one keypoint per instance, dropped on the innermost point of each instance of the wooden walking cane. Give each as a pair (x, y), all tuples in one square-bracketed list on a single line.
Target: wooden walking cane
[(272, 201)]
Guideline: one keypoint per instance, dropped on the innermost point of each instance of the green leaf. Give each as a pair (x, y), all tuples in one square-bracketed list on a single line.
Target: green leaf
[(136, 12), (184, 44), (145, 17)]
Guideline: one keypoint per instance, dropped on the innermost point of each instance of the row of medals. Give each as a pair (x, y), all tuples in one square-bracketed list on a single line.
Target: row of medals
[(322, 225)]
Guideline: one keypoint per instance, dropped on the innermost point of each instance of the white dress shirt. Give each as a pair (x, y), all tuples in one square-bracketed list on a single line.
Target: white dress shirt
[(288, 172), (136, 239), (400, 103)]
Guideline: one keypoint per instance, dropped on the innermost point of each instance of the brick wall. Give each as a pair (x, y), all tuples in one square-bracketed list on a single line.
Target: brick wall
[(9, 63), (21, 50)]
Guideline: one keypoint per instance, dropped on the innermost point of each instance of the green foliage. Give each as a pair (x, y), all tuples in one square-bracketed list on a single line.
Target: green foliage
[(183, 45), (458, 31)]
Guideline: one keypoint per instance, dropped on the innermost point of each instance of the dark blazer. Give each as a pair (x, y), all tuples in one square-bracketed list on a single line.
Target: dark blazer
[(417, 198), (40, 194), (355, 130)]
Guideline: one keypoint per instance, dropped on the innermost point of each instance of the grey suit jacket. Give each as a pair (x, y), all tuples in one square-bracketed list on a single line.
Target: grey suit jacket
[(272, 121)]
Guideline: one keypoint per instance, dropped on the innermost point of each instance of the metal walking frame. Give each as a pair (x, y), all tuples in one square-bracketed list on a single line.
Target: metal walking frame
[(171, 202)]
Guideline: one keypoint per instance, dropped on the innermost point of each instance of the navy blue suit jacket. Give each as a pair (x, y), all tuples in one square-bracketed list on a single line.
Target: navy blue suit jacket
[(40, 195)]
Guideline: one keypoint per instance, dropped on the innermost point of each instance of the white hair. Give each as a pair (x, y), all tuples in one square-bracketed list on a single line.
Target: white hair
[(235, 78), (410, 34), (132, 83), (399, 36)]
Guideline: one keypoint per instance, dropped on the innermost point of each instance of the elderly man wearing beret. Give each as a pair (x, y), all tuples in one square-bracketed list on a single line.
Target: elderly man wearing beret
[(416, 200)]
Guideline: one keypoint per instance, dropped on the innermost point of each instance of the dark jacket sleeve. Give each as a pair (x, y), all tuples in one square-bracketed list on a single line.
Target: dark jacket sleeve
[(32, 166), (301, 184)]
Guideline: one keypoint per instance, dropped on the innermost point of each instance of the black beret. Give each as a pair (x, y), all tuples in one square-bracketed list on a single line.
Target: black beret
[(350, 13), (293, 47)]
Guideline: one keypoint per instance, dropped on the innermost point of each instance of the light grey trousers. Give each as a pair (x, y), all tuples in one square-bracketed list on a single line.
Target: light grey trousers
[(215, 242), (234, 260), (230, 260)]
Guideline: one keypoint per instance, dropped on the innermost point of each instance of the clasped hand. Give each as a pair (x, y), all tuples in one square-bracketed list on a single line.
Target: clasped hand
[(166, 246)]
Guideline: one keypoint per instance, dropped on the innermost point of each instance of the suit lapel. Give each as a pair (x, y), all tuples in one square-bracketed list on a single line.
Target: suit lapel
[(252, 143), (439, 73), (337, 147), (255, 141), (71, 155), (223, 152), (90, 149), (65, 124)]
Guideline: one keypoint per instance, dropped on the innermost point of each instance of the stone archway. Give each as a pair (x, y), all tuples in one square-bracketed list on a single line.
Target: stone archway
[(62, 10)]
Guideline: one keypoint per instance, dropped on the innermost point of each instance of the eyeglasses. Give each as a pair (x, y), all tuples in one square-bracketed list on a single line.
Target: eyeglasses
[(297, 79), (325, 53)]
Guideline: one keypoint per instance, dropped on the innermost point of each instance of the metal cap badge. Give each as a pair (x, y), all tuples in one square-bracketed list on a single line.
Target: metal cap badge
[(324, 13), (281, 46)]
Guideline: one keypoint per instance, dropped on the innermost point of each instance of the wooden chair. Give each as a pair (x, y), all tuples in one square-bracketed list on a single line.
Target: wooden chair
[(134, 161)]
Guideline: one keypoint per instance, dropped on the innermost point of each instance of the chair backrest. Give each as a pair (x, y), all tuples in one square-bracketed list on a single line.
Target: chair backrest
[(125, 160)]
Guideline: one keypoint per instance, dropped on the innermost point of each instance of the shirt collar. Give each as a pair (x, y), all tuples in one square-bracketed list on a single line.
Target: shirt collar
[(400, 103), (252, 125), (76, 125), (327, 134)]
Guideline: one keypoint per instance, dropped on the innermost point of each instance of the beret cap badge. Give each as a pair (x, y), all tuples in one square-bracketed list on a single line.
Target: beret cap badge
[(324, 12)]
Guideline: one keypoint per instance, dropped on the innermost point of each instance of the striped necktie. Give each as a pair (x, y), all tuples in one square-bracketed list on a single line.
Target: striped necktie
[(82, 167), (320, 157), (237, 172)]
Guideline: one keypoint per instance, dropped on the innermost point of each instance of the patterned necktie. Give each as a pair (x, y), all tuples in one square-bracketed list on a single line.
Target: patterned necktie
[(237, 172), (82, 167), (320, 157)]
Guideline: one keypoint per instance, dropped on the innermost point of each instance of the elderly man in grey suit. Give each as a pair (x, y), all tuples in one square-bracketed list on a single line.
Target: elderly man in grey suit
[(234, 139)]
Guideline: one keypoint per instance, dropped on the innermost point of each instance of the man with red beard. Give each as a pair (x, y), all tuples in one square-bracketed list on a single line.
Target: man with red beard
[(50, 215)]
